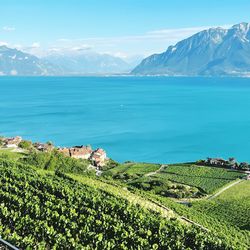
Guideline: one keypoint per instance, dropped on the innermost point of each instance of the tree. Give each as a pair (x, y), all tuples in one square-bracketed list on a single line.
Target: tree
[(25, 144), (50, 143)]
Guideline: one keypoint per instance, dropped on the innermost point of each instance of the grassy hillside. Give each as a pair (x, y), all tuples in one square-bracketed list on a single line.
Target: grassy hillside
[(54, 211), (52, 201)]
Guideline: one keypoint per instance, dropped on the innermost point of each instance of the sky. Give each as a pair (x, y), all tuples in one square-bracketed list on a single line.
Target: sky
[(124, 28)]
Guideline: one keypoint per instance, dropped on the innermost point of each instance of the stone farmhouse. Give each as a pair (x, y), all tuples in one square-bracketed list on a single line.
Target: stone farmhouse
[(98, 157)]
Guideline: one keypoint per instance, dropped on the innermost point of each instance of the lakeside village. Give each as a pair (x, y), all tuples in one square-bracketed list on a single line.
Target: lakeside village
[(98, 157)]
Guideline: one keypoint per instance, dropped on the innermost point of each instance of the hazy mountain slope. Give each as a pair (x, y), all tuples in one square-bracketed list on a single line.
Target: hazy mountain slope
[(16, 62), (88, 63), (215, 51)]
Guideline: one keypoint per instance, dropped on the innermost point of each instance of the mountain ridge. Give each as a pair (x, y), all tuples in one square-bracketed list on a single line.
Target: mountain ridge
[(88, 63), (212, 52), (14, 62)]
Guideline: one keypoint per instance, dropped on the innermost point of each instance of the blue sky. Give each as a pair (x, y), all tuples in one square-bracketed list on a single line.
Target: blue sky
[(119, 27)]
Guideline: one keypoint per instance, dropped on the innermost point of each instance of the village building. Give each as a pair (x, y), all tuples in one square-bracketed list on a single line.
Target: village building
[(77, 152), (80, 152), (219, 162), (64, 151), (44, 147), (216, 161), (12, 142), (99, 157)]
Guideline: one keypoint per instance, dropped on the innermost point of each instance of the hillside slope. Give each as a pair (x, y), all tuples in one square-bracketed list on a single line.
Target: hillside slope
[(88, 63), (53, 201), (212, 52), (54, 211), (15, 62)]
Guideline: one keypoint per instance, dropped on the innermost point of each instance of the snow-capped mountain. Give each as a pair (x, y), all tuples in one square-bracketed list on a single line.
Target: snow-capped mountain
[(88, 63), (16, 62), (215, 51)]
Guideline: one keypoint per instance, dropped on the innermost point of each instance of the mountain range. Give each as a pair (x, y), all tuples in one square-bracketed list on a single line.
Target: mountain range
[(212, 52), (16, 62), (88, 63)]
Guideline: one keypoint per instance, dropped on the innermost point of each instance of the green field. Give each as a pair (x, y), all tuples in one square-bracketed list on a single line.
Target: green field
[(232, 206)]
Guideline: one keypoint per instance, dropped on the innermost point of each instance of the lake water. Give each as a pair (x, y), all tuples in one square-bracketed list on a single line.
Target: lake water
[(153, 119)]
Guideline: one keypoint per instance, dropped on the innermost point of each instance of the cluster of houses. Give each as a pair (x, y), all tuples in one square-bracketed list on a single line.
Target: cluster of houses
[(12, 142), (98, 157), (230, 163)]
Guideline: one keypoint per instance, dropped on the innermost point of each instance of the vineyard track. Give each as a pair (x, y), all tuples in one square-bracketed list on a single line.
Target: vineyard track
[(157, 171), (224, 189)]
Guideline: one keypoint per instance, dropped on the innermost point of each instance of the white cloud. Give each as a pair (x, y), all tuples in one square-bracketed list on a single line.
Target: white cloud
[(9, 28), (154, 41), (150, 42), (82, 47), (182, 31), (18, 46), (13, 72), (2, 43), (35, 45), (119, 54), (54, 50)]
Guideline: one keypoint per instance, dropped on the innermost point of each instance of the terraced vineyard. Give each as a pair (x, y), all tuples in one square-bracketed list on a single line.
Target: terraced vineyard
[(208, 179), (232, 206), (231, 233), (176, 180), (53, 211)]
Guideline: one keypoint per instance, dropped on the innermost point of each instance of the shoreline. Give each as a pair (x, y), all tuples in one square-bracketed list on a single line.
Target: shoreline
[(98, 157)]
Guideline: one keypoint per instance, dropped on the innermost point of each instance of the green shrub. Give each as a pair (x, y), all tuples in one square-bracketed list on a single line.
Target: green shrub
[(25, 144), (110, 164), (54, 160)]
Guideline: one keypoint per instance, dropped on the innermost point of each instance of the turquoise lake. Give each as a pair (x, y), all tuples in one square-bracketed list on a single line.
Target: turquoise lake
[(151, 119)]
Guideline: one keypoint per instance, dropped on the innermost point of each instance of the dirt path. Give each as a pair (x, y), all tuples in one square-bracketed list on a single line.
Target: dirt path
[(157, 171), (224, 189)]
